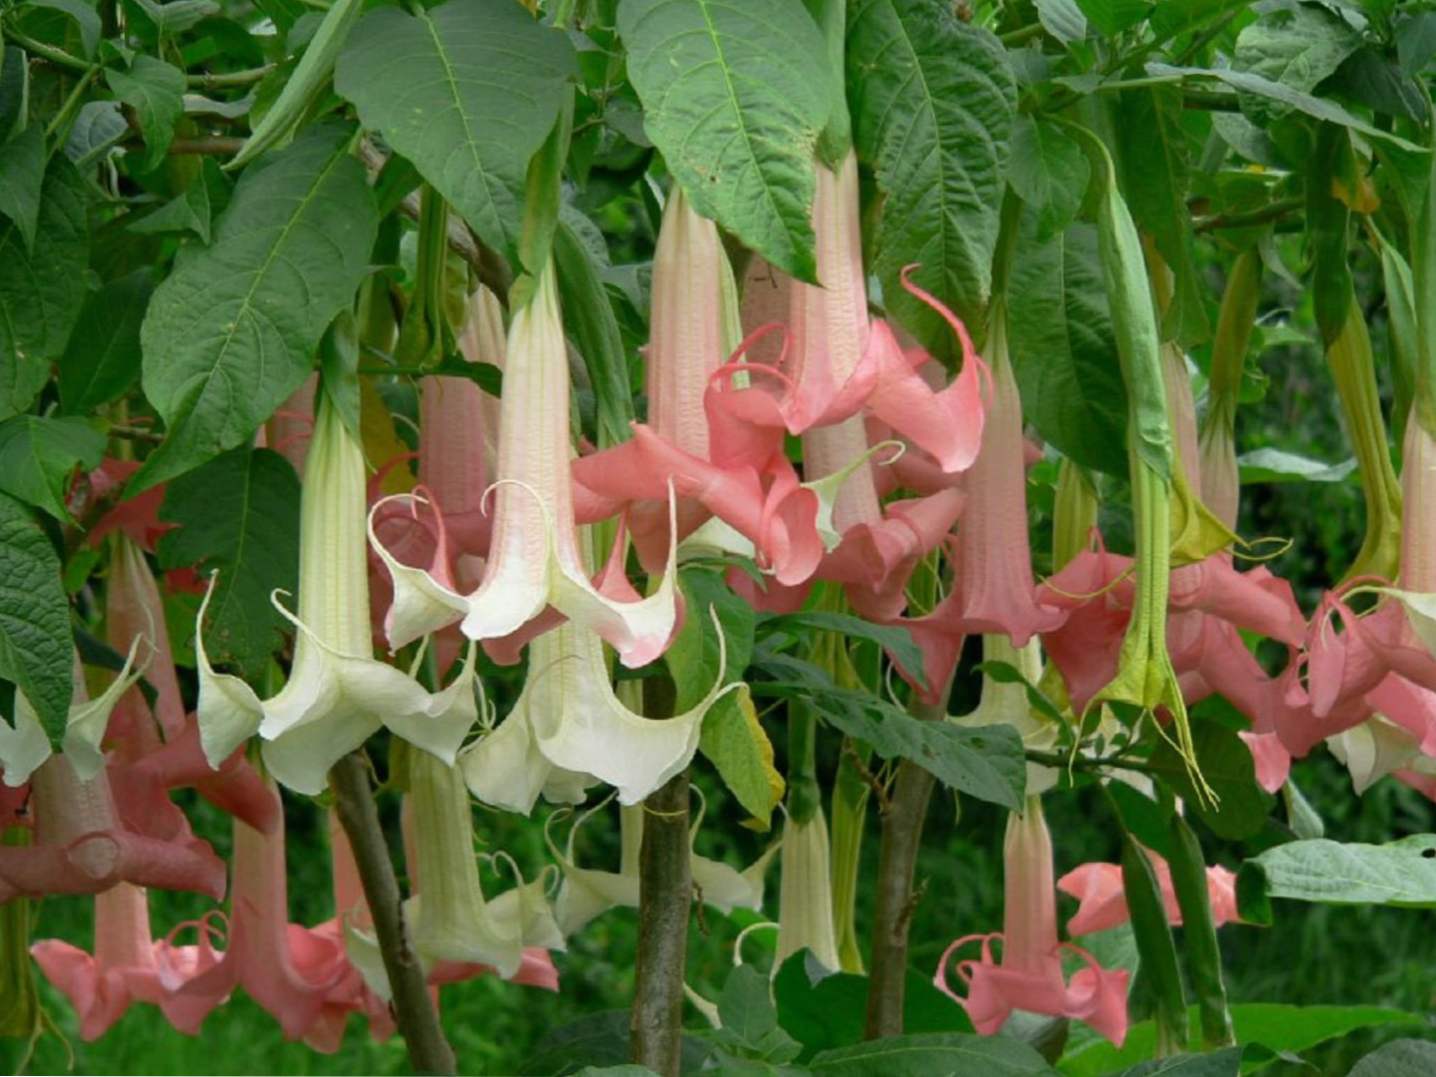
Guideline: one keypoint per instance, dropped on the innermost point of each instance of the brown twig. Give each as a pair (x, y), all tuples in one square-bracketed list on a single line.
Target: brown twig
[(414, 1012), (897, 861), (871, 780), (214, 146), (665, 895)]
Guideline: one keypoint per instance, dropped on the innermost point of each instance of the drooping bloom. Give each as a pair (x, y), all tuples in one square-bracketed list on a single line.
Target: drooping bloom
[(1029, 976), (535, 558), (337, 693), (693, 329), (805, 895), (1098, 887), (263, 953), (569, 729), (450, 917)]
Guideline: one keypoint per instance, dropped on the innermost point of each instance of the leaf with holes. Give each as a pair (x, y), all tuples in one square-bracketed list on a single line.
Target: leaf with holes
[(467, 92), (233, 330), (735, 96), (1400, 873), (933, 106), (238, 515)]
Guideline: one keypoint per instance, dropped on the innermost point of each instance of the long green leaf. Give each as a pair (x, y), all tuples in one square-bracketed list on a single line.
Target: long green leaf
[(467, 91), (238, 515), (36, 647), (1155, 945), (1401, 873), (933, 105), (951, 1053), (735, 94), (1204, 957), (233, 330)]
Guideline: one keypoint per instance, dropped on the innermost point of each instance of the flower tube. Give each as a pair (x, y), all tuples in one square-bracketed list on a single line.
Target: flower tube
[(337, 693), (534, 557)]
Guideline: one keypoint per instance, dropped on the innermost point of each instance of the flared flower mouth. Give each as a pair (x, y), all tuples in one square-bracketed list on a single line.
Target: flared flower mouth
[(337, 693), (534, 556)]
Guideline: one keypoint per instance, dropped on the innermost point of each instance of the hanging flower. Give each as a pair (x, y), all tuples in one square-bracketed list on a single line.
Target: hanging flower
[(534, 558), (337, 694), (1029, 976), (1103, 900)]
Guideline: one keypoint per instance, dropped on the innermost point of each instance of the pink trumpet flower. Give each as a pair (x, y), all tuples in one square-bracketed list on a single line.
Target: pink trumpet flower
[(1029, 974), (534, 560), (836, 373), (1103, 901), (1399, 636), (284, 969), (693, 330), (83, 846)]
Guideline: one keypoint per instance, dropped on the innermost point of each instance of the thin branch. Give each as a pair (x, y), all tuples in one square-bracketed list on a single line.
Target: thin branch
[(46, 52), (214, 146), (213, 81), (414, 1012), (1271, 212)]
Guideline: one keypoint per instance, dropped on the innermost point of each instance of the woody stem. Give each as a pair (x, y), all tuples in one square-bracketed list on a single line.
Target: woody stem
[(414, 1012)]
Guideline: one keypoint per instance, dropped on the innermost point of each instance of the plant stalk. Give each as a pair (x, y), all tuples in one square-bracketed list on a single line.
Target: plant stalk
[(665, 896), (414, 1011), (897, 861)]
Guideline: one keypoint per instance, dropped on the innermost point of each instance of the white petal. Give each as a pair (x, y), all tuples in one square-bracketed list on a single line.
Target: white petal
[(506, 768), (300, 758), (86, 727), (228, 710), (516, 576), (1372, 750), (24, 747), (362, 949), (477, 939), (448, 715), (421, 604)]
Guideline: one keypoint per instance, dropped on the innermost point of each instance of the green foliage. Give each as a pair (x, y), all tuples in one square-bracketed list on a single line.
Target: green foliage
[(1401, 873), (38, 456), (36, 653), (238, 516), (224, 342), (933, 106)]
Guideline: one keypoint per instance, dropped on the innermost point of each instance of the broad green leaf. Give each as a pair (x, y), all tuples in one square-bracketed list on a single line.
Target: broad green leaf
[(1049, 172), (233, 330), (1155, 166), (36, 648), (239, 515), (599, 1039), (590, 323), (1274, 1026), (38, 456), (155, 91), (1226, 763), (177, 16), (749, 1021), (1399, 1058), (1317, 107), (830, 1012), (41, 293), (897, 641), (102, 359), (1224, 1063), (735, 95), (986, 762), (467, 92), (14, 91), (1372, 78), (22, 175), (933, 104), (97, 127), (1416, 42), (1063, 19), (732, 738), (1400, 873), (86, 18), (1063, 350), (1111, 17), (304, 84), (188, 211), (1296, 46), (1278, 465), (951, 1053)]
